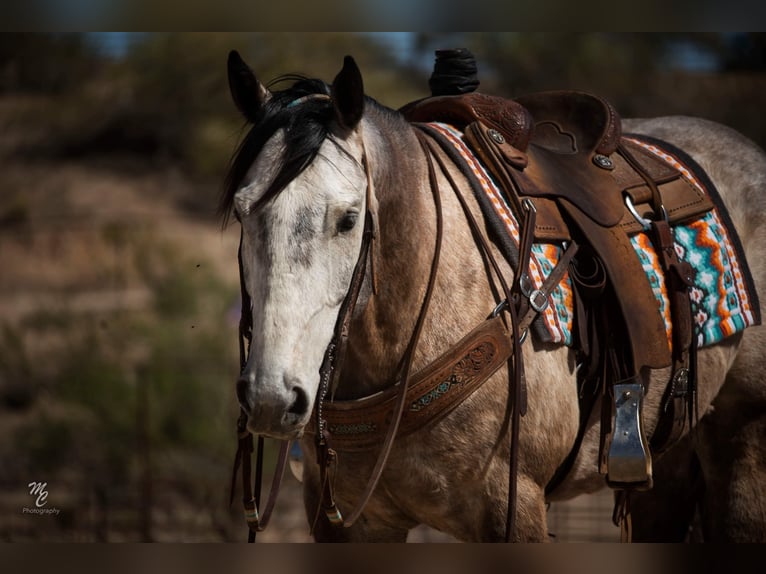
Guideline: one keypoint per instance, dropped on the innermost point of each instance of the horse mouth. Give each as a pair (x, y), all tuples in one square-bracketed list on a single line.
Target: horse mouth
[(278, 434)]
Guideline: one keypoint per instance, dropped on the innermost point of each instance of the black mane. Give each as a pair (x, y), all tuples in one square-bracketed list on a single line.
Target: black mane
[(306, 127)]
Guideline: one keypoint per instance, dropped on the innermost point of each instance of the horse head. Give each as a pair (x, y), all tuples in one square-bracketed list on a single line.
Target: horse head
[(298, 186)]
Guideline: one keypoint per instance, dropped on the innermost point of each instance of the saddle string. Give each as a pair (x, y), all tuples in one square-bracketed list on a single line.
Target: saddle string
[(622, 515)]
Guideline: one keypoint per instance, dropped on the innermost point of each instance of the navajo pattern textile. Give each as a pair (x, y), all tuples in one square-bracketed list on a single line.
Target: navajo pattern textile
[(723, 298)]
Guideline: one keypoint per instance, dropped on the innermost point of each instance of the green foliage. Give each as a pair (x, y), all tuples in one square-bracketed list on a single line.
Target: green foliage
[(151, 379), (47, 444), (601, 62), (168, 100), (637, 72)]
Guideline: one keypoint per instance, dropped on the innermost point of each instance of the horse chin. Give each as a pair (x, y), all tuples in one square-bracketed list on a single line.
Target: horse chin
[(284, 432), (294, 434)]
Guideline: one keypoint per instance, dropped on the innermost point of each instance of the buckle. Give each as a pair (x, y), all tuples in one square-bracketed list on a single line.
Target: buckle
[(525, 285)]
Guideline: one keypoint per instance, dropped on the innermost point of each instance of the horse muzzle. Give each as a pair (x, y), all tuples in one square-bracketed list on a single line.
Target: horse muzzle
[(277, 411)]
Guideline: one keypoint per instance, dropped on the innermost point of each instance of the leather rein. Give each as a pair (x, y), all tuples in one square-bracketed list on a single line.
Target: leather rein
[(506, 328)]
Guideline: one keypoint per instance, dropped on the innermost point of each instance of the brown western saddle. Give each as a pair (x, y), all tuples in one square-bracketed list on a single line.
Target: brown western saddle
[(565, 151)]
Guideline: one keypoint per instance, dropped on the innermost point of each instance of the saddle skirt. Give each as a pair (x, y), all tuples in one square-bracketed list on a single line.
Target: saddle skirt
[(724, 300)]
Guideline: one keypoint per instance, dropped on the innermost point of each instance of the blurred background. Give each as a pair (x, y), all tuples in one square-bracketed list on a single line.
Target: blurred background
[(119, 295)]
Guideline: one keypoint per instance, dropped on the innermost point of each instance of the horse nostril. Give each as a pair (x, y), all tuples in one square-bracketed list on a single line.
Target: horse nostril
[(300, 402), (242, 395)]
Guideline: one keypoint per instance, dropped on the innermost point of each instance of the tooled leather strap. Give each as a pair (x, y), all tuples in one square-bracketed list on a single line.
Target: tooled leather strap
[(678, 400)]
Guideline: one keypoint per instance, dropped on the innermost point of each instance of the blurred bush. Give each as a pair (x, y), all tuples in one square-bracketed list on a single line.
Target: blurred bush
[(123, 403), (44, 63), (717, 76), (166, 101)]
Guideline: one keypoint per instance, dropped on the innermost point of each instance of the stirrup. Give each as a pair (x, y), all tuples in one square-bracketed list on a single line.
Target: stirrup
[(629, 462)]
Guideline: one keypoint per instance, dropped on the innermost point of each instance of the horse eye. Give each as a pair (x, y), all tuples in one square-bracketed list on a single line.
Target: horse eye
[(348, 221)]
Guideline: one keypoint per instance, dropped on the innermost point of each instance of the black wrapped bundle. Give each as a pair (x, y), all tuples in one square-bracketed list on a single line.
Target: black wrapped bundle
[(454, 73)]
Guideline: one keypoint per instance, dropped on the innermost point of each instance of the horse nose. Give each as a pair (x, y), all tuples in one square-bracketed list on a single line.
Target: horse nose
[(300, 403)]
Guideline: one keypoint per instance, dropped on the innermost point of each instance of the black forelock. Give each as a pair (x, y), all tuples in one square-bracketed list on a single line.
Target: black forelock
[(306, 126)]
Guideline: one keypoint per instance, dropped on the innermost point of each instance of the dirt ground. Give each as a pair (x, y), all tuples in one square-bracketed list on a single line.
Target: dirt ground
[(584, 519)]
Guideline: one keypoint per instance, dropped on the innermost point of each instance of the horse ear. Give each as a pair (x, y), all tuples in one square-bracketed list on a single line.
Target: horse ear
[(246, 91), (348, 94)]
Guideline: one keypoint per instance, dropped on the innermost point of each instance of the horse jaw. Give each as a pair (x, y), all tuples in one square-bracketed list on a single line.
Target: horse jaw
[(298, 267)]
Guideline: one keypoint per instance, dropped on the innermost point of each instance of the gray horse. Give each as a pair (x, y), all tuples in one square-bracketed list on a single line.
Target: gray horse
[(318, 159)]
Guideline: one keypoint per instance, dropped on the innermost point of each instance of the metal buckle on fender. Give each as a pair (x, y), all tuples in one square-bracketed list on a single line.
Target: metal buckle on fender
[(629, 461)]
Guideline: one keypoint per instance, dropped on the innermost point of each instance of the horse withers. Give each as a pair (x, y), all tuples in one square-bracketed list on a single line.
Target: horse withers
[(374, 291)]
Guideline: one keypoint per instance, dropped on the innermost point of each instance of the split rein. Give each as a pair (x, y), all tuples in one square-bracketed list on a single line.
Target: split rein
[(520, 305)]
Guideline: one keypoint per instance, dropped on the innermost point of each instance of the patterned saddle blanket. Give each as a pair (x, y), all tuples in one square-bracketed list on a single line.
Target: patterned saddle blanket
[(724, 299)]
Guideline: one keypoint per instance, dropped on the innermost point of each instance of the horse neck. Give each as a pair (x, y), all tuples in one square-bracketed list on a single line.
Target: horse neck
[(382, 328)]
